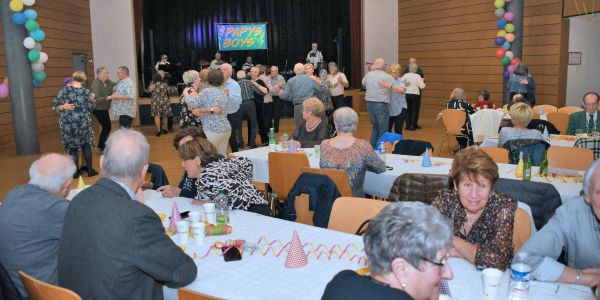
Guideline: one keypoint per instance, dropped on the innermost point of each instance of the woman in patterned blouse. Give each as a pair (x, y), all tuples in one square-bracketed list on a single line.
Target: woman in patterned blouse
[(345, 152), (458, 101), (213, 172), (482, 219), (160, 106)]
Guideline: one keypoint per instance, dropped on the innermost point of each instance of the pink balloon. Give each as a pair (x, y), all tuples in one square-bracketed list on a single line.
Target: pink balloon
[(3, 90), (511, 69), (509, 16), (510, 37)]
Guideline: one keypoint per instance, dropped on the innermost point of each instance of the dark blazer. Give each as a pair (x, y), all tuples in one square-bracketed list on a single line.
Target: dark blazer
[(322, 193), (113, 247), (578, 120)]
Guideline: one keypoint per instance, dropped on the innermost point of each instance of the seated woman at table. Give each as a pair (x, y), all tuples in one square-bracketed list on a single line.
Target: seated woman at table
[(345, 152), (520, 116), (313, 129), (407, 246), (213, 172), (483, 219), (458, 100)]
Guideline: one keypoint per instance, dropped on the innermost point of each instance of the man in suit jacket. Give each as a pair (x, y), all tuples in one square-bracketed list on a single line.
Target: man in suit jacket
[(112, 246), (586, 120), (31, 219)]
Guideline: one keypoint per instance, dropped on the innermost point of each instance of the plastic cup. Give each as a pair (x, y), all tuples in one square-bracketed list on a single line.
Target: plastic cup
[(195, 216), (491, 283), (318, 151), (209, 213), (183, 227), (198, 229), (485, 107)]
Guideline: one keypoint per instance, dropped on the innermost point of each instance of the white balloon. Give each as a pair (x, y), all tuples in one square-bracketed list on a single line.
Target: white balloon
[(29, 43), (499, 12), (509, 54), (37, 46), (37, 66), (43, 57), (29, 2)]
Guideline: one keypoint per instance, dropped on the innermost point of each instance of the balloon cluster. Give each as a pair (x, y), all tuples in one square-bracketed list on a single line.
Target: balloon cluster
[(505, 37)]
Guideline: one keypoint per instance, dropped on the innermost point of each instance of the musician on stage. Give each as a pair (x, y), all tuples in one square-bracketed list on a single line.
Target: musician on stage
[(314, 56)]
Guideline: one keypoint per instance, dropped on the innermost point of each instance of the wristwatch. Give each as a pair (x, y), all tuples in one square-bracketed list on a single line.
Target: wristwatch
[(212, 111), (577, 276)]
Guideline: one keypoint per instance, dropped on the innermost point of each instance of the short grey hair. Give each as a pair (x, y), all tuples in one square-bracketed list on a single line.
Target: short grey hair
[(413, 68), (332, 64), (299, 68), (588, 178), (227, 67), (125, 155), (124, 69), (190, 76), (378, 64), (51, 171), (413, 231), (345, 119), (314, 105), (241, 74), (99, 70)]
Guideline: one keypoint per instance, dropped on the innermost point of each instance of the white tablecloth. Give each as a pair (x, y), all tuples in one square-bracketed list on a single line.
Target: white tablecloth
[(555, 140), (380, 184), (265, 277)]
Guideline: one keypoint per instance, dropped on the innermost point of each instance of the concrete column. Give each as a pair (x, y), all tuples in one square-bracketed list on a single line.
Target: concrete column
[(516, 7)]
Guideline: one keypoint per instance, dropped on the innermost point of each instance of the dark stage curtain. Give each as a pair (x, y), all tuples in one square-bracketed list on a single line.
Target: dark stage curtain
[(186, 31)]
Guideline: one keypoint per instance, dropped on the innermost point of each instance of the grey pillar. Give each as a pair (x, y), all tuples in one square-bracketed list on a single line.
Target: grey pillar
[(20, 84), (516, 7)]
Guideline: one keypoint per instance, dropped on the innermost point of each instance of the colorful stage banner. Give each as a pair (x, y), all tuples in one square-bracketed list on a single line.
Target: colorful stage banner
[(242, 36)]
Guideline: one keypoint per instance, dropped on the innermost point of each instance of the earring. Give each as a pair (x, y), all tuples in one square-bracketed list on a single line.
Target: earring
[(403, 285)]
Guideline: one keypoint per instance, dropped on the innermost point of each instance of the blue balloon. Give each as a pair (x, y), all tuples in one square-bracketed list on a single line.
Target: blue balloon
[(506, 45), (500, 40), (36, 84), (505, 74), (30, 14), (19, 18), (501, 23), (38, 35)]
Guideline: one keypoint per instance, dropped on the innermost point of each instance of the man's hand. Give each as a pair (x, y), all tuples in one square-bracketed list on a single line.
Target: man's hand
[(169, 191), (68, 106)]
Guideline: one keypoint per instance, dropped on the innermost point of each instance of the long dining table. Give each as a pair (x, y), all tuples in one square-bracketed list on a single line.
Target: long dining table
[(568, 187)]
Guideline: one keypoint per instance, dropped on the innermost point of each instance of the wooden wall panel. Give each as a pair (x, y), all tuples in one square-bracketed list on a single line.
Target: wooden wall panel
[(453, 43), (68, 31), (580, 7)]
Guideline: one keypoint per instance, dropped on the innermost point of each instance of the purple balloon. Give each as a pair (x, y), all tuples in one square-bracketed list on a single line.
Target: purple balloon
[(500, 40), (505, 74), (67, 80), (509, 16), (510, 69), (3, 90), (508, 1)]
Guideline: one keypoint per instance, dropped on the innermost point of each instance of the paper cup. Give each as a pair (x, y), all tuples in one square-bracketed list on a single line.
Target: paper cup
[(183, 227), (491, 283), (209, 213), (198, 229), (195, 216)]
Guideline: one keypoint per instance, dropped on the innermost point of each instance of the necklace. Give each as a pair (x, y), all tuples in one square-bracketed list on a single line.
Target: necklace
[(310, 127), (469, 220)]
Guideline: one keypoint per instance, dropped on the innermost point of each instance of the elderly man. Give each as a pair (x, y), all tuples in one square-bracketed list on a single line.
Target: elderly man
[(112, 246), (247, 109), (298, 89), (314, 56), (217, 62), (413, 60), (124, 98), (234, 99), (575, 229), (378, 98), (587, 120), (278, 84), (31, 219)]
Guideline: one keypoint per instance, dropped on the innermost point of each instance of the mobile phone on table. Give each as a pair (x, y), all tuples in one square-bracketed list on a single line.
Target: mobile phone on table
[(184, 214), (231, 253)]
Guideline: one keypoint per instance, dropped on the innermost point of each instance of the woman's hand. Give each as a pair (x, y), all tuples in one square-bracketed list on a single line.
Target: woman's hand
[(298, 145), (169, 191), (384, 85), (114, 96), (523, 81), (590, 277), (66, 106), (198, 112), (217, 110)]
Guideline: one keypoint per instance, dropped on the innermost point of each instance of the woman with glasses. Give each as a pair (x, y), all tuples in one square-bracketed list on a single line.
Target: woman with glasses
[(407, 246), (482, 219)]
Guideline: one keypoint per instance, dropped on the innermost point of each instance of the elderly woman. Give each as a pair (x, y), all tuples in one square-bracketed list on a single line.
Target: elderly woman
[(414, 83), (215, 124), (520, 116), (268, 98), (259, 103), (124, 98), (517, 82), (160, 106), (102, 88), (213, 172), (323, 82), (192, 80), (458, 101), (345, 152), (338, 82), (483, 219), (398, 105), (407, 246), (74, 103), (313, 130)]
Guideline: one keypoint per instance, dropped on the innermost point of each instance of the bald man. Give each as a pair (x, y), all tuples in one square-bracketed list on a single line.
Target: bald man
[(31, 220), (378, 98)]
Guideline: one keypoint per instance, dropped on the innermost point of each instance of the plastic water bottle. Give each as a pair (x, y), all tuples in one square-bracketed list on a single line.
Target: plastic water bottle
[(520, 278), (272, 141), (285, 143), (222, 208), (381, 151), (292, 146)]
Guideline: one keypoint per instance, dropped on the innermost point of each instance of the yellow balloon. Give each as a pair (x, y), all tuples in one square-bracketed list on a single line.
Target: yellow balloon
[(16, 5), (501, 33)]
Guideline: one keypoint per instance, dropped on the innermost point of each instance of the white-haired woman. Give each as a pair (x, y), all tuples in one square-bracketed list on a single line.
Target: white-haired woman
[(414, 85), (407, 246), (338, 82), (345, 152)]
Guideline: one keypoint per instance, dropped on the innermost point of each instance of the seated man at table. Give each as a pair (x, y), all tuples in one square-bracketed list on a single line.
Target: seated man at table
[(586, 120), (31, 219), (574, 228), (112, 246)]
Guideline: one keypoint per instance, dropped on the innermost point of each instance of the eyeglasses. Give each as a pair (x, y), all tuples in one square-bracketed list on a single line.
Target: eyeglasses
[(590, 104), (438, 262)]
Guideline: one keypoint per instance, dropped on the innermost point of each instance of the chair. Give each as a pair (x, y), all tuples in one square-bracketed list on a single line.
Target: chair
[(499, 155), (187, 294), (340, 177), (546, 108), (559, 120), (592, 143), (389, 148), (570, 158), (418, 187), (522, 229), (284, 170), (39, 290), (303, 214), (348, 213), (569, 109), (453, 120)]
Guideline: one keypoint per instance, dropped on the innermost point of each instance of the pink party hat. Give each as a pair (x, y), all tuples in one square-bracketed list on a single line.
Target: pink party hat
[(175, 217), (296, 257)]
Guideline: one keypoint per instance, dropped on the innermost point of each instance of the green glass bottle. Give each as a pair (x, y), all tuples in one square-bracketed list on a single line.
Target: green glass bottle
[(527, 168), (544, 164)]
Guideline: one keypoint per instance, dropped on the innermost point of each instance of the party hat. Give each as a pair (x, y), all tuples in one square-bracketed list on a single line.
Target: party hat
[(426, 159), (296, 257), (80, 184), (546, 135), (175, 217)]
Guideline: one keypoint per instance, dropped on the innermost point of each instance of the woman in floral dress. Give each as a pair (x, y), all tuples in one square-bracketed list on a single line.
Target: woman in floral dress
[(160, 105)]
